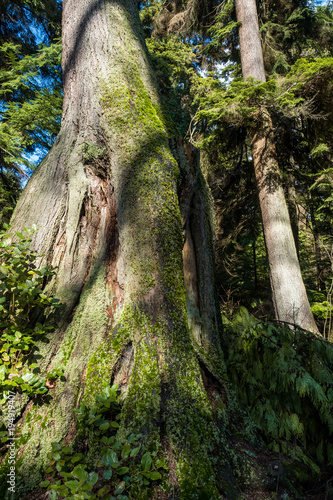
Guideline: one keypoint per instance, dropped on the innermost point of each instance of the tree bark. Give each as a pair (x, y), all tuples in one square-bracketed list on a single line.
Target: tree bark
[(289, 295), (114, 201), (252, 59)]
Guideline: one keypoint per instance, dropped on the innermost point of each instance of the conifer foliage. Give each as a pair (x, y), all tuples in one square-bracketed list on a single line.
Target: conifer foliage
[(30, 95), (285, 378)]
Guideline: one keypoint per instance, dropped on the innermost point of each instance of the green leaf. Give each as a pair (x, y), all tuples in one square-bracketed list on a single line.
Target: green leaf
[(76, 458), (93, 478), (73, 485), (63, 491), (52, 495), (122, 470), (56, 446), (3, 371), (103, 491), (146, 461), (120, 488), (80, 473), (104, 426), (155, 475), (115, 425), (125, 451), (107, 474), (135, 451), (44, 484), (111, 457)]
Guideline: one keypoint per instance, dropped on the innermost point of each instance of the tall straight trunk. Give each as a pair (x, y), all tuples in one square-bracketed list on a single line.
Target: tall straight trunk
[(289, 295), (114, 202)]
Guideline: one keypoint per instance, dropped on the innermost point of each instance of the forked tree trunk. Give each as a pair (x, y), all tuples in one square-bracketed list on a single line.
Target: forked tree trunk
[(289, 295), (114, 202)]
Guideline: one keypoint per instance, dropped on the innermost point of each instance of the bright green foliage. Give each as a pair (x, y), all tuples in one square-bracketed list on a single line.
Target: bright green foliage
[(116, 466), (290, 30), (23, 310), (9, 192), (321, 309), (148, 14), (237, 103), (173, 62), (32, 120), (223, 43), (285, 378), (30, 95)]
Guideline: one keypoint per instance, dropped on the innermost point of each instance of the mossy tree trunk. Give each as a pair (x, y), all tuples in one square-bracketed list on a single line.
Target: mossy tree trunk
[(289, 295), (123, 211)]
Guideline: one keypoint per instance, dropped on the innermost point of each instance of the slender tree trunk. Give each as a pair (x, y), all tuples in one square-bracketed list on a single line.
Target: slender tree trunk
[(114, 201), (249, 37), (289, 295)]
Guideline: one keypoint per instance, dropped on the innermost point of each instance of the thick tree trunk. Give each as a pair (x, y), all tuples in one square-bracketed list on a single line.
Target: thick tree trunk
[(113, 207), (289, 295)]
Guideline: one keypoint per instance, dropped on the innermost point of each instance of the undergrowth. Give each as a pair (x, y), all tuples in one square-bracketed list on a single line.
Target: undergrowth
[(285, 378), (25, 317), (113, 469)]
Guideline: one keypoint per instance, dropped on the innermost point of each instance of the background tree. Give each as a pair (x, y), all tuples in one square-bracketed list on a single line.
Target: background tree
[(225, 110), (30, 90)]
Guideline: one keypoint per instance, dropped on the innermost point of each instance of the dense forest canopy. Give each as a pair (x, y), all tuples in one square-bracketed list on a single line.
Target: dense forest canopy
[(166, 278)]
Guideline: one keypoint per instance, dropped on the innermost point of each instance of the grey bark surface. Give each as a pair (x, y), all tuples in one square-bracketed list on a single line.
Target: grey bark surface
[(249, 38), (289, 295)]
